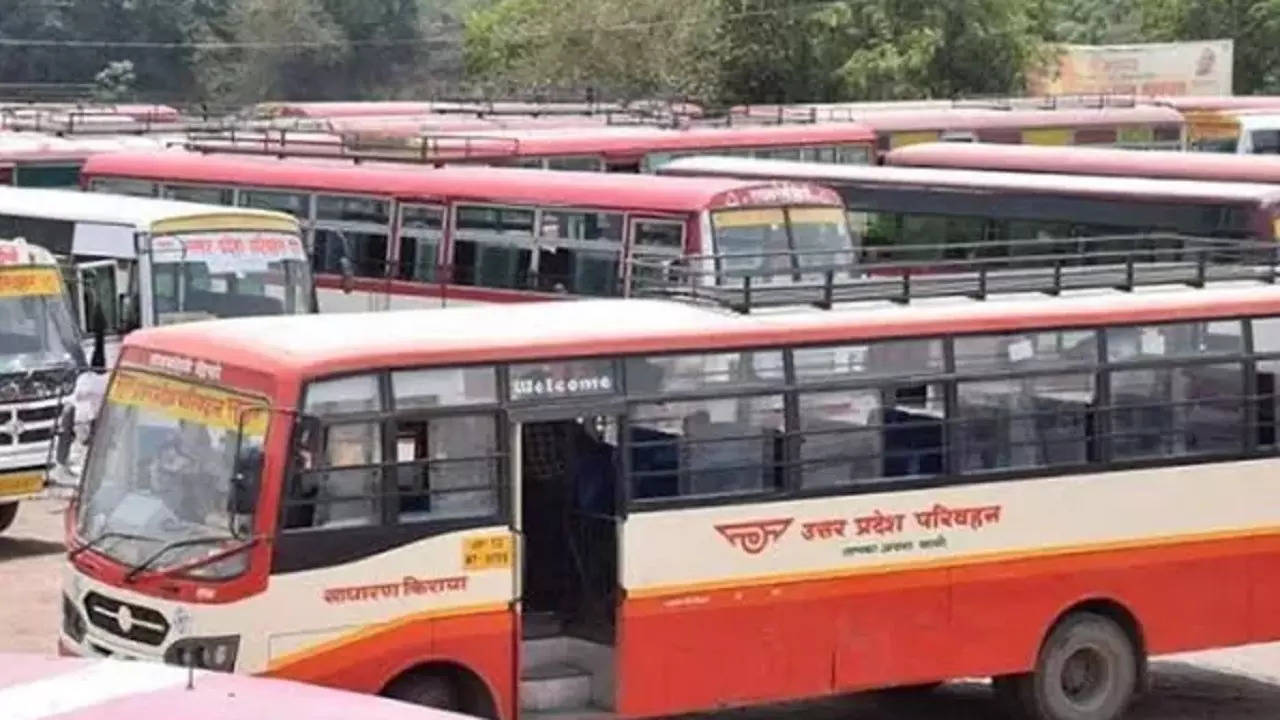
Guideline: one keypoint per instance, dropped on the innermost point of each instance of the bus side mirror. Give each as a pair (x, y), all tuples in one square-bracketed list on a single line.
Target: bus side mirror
[(347, 269), (245, 484)]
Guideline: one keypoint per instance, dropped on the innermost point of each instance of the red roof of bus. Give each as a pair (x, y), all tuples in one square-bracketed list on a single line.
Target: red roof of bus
[(636, 141), (620, 191), (965, 119), (301, 346), (1090, 161)]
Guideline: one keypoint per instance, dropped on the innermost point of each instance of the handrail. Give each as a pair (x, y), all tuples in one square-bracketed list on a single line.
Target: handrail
[(744, 282)]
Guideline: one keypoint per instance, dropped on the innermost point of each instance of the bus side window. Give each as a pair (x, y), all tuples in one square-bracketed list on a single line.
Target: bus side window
[(446, 467), (341, 485)]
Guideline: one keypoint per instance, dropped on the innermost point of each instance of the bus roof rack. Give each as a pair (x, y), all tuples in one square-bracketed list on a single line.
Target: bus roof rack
[(747, 282), (351, 146), (1048, 102)]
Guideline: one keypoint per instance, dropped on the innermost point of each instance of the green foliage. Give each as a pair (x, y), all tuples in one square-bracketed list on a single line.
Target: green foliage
[(721, 51), (115, 81)]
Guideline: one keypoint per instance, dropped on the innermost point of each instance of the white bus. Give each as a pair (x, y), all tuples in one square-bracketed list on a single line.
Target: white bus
[(139, 262), (40, 356)]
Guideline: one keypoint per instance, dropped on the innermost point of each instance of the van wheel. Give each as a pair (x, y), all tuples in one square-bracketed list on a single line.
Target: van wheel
[(8, 511), (427, 689), (1087, 670)]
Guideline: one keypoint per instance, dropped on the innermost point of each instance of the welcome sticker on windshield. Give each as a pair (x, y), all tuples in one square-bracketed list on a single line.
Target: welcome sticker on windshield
[(185, 401), (29, 281)]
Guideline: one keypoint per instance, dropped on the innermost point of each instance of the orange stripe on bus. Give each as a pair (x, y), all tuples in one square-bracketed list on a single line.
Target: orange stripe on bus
[(329, 646), (977, 560)]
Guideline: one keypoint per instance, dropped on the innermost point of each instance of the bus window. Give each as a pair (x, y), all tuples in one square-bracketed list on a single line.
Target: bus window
[(365, 225), (295, 204), (584, 163), (342, 486), (820, 236), (448, 387), (853, 155), (124, 186), (447, 467), (841, 438), (724, 446), (196, 193), (693, 373), (494, 246), (1023, 422), (757, 236), (579, 252), (421, 230), (1266, 142)]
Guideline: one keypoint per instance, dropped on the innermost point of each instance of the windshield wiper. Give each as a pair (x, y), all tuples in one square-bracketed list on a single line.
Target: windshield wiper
[(189, 542), (104, 536)]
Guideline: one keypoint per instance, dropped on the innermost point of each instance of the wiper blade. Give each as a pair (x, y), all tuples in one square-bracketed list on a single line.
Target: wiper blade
[(189, 542), (104, 536)]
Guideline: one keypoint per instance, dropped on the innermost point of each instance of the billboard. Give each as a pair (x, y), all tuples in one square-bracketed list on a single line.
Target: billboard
[(1180, 68)]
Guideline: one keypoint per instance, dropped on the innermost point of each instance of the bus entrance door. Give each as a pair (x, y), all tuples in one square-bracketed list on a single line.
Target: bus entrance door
[(568, 481)]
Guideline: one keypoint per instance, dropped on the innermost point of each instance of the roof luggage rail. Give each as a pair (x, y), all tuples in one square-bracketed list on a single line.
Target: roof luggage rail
[(1075, 101), (426, 149), (746, 282)]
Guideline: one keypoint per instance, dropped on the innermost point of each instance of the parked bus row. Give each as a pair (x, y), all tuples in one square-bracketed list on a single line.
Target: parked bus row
[(502, 234)]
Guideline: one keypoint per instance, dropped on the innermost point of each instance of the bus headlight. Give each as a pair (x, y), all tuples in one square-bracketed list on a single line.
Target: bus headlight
[(211, 653), (72, 620)]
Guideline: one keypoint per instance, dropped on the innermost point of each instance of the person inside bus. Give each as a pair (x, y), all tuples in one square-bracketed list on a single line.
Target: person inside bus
[(183, 473)]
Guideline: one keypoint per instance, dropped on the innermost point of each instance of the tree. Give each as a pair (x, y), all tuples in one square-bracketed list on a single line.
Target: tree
[(115, 81), (630, 48), (284, 49), (1253, 24)]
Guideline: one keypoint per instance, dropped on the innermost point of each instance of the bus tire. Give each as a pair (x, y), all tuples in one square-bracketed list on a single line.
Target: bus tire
[(1086, 670), (426, 688), (8, 512)]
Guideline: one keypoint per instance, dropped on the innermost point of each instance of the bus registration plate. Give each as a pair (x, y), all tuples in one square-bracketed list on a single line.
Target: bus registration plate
[(23, 483)]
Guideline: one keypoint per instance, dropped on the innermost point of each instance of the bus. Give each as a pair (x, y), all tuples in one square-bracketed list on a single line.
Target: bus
[(37, 160), (1141, 127), (1254, 131), (645, 508), (40, 357), (141, 262), (1089, 161), (893, 209), (467, 234), (590, 148)]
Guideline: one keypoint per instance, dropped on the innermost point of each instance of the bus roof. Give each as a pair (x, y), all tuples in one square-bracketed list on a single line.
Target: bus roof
[(318, 345), (38, 147), (978, 181), (969, 119), (635, 141), (567, 189), (1090, 161), (1220, 102), (107, 209), (34, 687)]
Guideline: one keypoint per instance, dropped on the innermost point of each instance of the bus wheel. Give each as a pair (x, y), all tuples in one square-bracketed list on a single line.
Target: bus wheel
[(426, 688), (1087, 670), (8, 511)]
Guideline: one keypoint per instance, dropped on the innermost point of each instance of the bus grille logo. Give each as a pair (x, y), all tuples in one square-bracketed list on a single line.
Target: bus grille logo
[(755, 536)]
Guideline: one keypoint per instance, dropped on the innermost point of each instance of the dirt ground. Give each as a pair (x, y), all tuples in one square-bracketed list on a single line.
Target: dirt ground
[(1235, 684)]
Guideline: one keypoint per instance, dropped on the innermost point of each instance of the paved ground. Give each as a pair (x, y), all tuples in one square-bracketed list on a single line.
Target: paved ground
[(1237, 684)]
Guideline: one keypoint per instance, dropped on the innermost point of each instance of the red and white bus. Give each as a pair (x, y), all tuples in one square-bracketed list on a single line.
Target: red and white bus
[(1212, 167), (568, 147), (489, 234), (1141, 126), (894, 210), (653, 508)]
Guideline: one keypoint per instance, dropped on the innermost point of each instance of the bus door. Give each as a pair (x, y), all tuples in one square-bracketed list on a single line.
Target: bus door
[(566, 471), (97, 293)]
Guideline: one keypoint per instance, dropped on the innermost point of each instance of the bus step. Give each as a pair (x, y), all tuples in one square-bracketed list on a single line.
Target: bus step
[(541, 625), (555, 687)]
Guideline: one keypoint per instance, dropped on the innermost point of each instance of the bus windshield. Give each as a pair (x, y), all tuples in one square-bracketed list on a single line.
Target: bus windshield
[(36, 329), (231, 275), (780, 239), (160, 470)]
